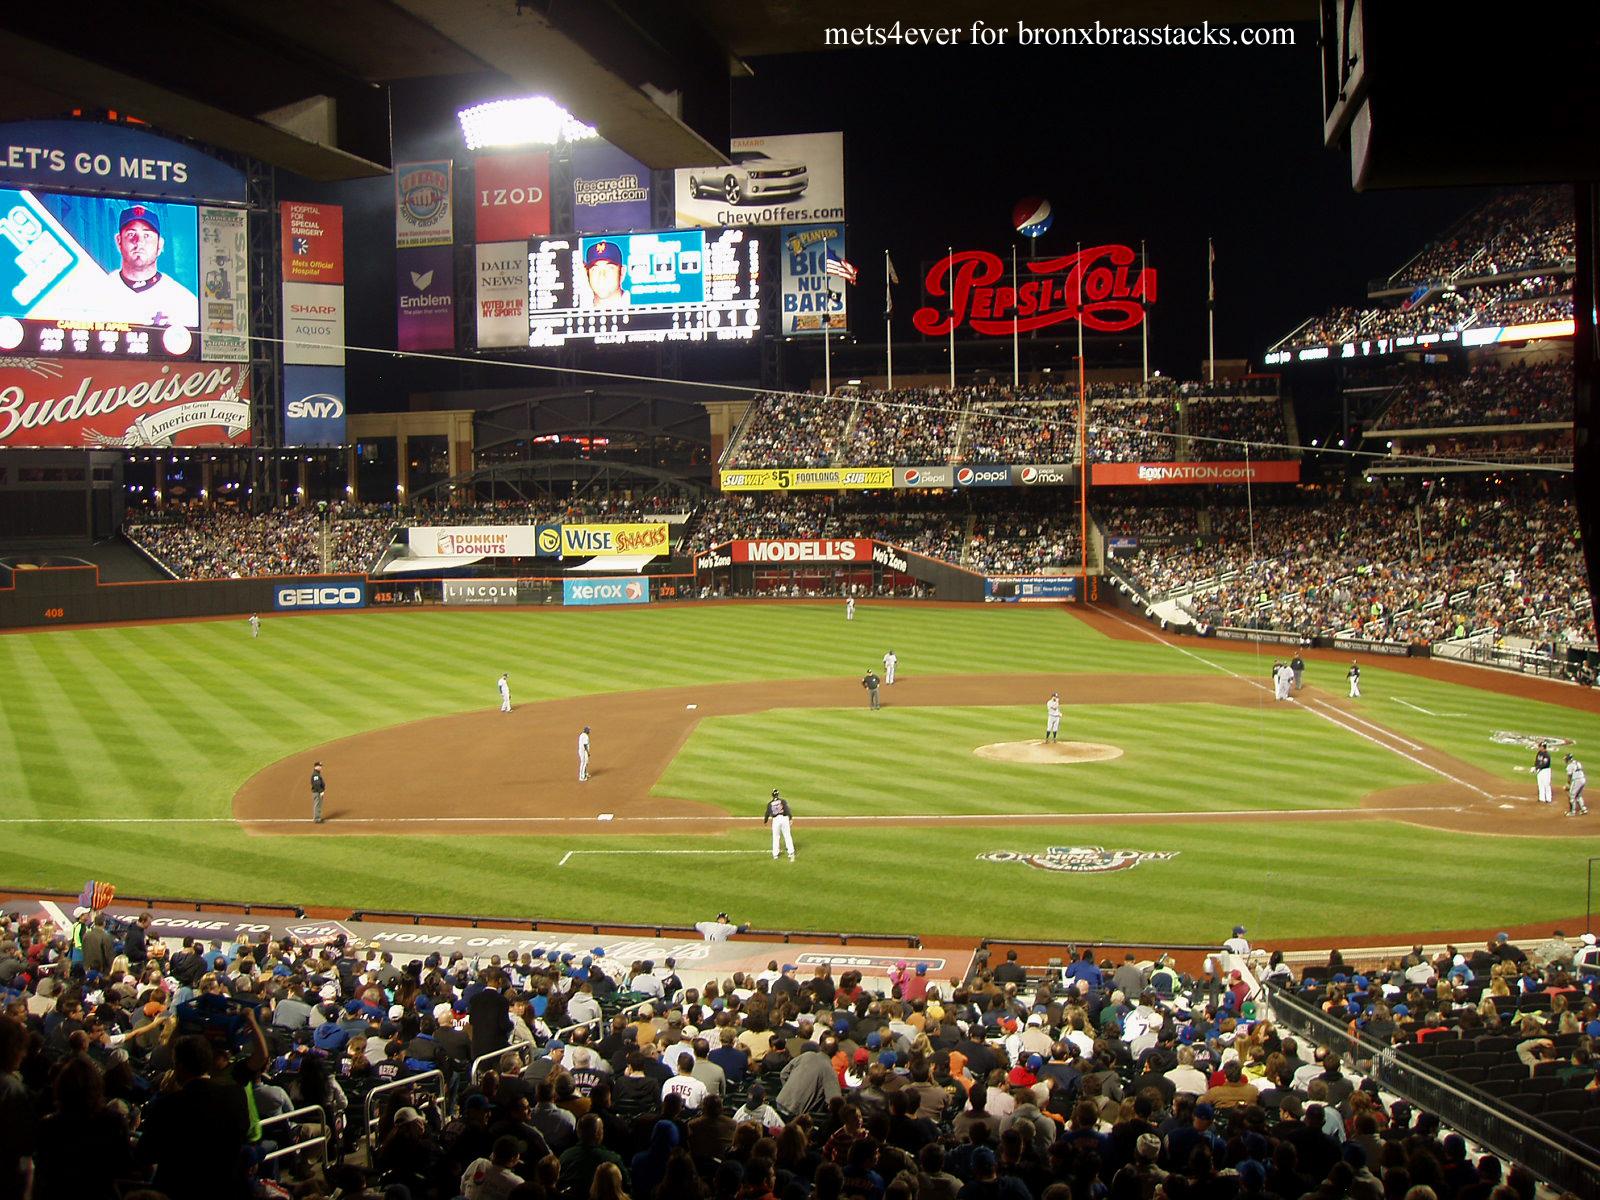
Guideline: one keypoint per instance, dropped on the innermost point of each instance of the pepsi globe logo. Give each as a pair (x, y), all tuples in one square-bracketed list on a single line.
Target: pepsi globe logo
[(1029, 475), (964, 476), (912, 476), (1032, 216)]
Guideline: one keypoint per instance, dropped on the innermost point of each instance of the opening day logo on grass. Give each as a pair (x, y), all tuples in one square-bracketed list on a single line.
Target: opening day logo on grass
[(1082, 860), (1530, 740)]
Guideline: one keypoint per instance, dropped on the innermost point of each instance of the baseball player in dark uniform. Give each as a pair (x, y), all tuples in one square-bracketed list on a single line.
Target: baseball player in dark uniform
[(870, 682), (1541, 772), (778, 816), (319, 785)]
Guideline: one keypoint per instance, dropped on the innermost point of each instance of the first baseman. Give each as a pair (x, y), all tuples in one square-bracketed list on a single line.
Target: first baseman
[(778, 816), (505, 692), (583, 755), (1575, 781), (1052, 717), (1541, 772), (1354, 675)]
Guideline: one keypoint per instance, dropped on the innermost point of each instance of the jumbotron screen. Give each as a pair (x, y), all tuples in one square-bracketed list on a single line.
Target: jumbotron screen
[(689, 285), (97, 276)]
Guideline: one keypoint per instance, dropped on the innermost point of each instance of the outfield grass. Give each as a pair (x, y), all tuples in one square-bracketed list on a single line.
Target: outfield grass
[(166, 721)]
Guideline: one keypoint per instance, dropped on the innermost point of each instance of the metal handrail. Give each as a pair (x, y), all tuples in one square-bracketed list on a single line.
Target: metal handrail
[(395, 1085), (309, 1143), (563, 1034)]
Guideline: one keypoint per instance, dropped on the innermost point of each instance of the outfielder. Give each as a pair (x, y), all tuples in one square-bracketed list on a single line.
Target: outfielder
[(319, 785), (1052, 717), (1575, 781), (778, 815), (255, 625), (889, 664), (1541, 772), (1355, 681), (850, 609), (583, 755), (505, 692)]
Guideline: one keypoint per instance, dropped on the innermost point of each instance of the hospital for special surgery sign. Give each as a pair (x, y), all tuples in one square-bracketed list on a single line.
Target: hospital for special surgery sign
[(49, 402)]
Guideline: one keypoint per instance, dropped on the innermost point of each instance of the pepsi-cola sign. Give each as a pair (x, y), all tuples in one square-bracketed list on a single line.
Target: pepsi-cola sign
[(983, 476), (924, 477), (1102, 286)]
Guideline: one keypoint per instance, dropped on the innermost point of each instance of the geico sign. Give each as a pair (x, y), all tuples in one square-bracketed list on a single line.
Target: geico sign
[(317, 406), (348, 596)]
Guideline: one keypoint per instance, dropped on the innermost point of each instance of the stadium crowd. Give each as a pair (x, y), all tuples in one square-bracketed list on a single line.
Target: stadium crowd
[(1486, 395), (124, 1061), (198, 542), (1509, 564), (1515, 231)]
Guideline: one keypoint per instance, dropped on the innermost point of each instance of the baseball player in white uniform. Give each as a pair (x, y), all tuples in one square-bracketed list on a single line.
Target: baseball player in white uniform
[(255, 625), (850, 609), (505, 692), (583, 755), (1052, 717), (889, 664), (1355, 681), (778, 816)]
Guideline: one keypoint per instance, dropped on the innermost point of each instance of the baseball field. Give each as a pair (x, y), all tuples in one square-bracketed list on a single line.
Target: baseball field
[(173, 759)]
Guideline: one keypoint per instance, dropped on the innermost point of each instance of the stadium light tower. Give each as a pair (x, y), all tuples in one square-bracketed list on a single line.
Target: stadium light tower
[(526, 121)]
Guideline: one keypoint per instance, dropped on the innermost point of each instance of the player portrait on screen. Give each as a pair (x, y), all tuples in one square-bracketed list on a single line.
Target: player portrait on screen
[(606, 272), (137, 291)]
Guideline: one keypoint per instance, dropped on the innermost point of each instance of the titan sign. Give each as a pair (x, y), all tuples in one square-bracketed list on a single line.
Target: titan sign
[(1096, 285), (786, 551), (349, 594)]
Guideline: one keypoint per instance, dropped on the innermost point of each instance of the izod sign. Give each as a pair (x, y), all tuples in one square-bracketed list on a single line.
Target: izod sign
[(513, 195), (791, 550), (1103, 286)]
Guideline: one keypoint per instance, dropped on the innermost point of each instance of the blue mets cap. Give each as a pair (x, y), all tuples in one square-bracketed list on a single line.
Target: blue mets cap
[(139, 212), (602, 251)]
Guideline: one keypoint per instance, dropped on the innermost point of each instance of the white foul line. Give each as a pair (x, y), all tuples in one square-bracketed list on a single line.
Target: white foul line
[(1426, 711), (1324, 715), (570, 853)]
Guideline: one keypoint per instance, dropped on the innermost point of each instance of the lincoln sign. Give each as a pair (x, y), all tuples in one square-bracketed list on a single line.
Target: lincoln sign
[(1098, 285)]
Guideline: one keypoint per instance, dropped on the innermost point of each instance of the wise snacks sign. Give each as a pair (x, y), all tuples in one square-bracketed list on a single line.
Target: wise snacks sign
[(1101, 286)]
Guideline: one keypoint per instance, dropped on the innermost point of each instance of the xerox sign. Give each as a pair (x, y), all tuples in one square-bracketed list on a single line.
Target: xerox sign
[(343, 593), (985, 476), (605, 591)]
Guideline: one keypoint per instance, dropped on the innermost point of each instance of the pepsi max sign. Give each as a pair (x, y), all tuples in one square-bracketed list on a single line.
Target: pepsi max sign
[(986, 476), (605, 591), (350, 593), (1048, 474)]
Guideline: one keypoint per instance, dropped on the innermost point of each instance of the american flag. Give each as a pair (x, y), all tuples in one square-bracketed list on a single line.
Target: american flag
[(841, 268)]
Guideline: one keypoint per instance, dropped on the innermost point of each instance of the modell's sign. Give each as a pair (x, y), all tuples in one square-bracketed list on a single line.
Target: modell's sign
[(1118, 474), (51, 402), (1100, 285), (790, 550)]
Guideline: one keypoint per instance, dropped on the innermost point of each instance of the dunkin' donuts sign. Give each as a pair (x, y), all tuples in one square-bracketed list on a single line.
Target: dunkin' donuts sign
[(1102, 286)]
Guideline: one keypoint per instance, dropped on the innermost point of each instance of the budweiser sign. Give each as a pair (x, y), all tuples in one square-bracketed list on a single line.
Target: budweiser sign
[(1098, 285), (788, 550), (49, 402)]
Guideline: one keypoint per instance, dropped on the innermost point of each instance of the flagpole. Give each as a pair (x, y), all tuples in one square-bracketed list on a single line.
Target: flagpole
[(950, 253), (1016, 345), (1211, 311), (1083, 444), (1144, 313), (827, 352), (888, 321)]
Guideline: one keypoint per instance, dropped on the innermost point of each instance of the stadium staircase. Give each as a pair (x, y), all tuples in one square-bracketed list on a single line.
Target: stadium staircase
[(843, 445), (958, 447), (967, 527)]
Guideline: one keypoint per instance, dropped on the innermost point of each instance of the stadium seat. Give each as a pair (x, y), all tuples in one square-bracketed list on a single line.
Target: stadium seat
[(1566, 1100), (1480, 1058), (1531, 1104), (1473, 1075)]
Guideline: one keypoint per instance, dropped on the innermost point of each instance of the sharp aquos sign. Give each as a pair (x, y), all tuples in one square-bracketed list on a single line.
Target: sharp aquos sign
[(789, 551), (1103, 286)]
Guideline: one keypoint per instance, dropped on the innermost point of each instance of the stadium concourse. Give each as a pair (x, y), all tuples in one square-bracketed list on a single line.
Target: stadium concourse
[(396, 1059)]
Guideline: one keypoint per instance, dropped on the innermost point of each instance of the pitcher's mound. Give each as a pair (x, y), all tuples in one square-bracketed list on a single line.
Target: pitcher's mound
[(1052, 753)]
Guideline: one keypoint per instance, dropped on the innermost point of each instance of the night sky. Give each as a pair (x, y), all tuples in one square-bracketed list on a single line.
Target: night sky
[(1169, 145)]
